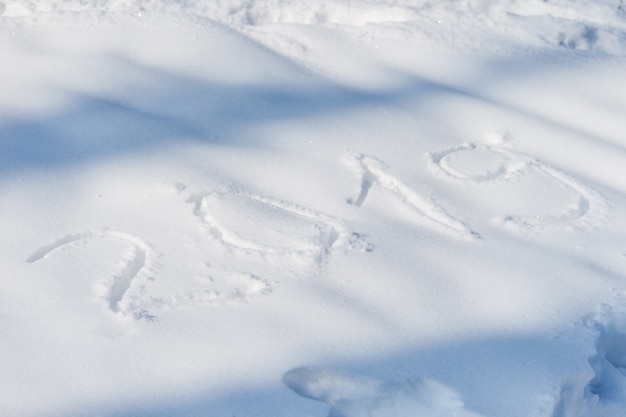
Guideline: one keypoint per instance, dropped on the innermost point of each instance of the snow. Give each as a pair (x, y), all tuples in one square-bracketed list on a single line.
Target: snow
[(303, 208)]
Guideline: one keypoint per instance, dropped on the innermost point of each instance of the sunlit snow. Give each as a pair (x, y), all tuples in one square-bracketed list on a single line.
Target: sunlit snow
[(297, 208)]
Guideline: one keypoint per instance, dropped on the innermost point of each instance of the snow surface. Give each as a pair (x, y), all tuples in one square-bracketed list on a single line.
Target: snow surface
[(391, 208)]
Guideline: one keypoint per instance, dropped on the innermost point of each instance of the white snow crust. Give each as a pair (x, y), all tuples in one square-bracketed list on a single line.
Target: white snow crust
[(303, 208)]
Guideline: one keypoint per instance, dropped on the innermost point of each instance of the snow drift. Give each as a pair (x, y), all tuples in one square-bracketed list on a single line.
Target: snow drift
[(290, 208)]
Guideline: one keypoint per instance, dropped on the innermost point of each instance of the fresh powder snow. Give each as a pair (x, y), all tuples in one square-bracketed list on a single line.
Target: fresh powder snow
[(302, 208)]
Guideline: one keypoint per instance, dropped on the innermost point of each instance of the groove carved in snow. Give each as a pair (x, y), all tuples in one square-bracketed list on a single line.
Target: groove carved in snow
[(483, 164), (122, 282), (272, 229), (253, 229), (375, 172)]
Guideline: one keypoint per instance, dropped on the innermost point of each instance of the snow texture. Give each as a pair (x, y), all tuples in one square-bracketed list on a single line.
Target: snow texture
[(389, 208)]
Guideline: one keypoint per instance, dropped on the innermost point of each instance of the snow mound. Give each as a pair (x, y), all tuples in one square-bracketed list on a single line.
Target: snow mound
[(357, 396), (602, 392)]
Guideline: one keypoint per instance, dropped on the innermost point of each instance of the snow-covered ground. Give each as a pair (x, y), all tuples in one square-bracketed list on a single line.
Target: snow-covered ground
[(296, 208)]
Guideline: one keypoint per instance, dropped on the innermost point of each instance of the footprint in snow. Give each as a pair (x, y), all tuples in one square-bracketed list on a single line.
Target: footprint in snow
[(557, 199), (357, 396)]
